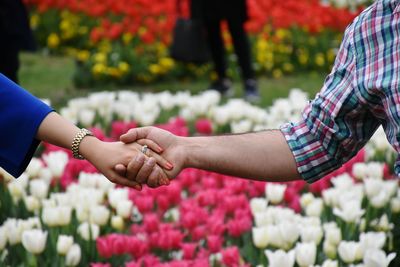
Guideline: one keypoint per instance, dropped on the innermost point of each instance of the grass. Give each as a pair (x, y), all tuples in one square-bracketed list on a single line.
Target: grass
[(51, 77)]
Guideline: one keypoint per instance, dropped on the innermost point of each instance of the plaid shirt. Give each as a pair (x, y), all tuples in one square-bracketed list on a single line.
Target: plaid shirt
[(361, 93)]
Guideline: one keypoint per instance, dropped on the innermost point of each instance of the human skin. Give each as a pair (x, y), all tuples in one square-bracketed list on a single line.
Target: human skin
[(105, 156), (261, 155)]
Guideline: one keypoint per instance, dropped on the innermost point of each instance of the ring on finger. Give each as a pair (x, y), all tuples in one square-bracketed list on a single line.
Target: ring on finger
[(144, 149)]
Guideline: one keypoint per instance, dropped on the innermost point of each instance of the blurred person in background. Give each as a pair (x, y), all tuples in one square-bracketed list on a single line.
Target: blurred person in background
[(234, 12), (16, 35)]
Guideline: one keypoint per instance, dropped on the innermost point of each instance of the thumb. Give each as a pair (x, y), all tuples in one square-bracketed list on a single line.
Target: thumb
[(134, 134)]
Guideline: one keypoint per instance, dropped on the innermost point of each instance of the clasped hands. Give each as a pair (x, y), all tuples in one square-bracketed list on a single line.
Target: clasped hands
[(124, 163)]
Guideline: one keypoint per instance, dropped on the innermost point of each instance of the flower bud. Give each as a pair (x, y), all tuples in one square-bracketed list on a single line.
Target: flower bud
[(31, 203), (64, 243), (124, 208), (73, 256), (117, 222), (34, 240)]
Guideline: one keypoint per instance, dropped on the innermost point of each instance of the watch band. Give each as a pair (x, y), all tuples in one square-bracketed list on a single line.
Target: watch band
[(77, 141)]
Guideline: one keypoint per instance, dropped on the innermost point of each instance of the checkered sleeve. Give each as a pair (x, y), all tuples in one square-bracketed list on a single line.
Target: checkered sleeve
[(335, 125)]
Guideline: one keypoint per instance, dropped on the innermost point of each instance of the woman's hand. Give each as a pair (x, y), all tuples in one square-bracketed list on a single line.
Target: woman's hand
[(106, 155)]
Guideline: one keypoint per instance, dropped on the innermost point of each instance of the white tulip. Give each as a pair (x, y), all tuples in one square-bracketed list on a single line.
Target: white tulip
[(258, 205), (56, 216), (62, 199), (350, 212), (373, 187), (124, 208), (306, 199), (359, 170), (315, 208), (117, 222), (56, 162), (275, 192), (262, 218), (48, 203), (31, 203), (333, 235), (311, 234), (86, 117), (87, 179), (280, 258), (260, 236), (14, 231), (395, 205), (289, 231), (331, 196), (330, 263), (329, 249), (65, 213), (46, 175), (73, 256), (306, 254), (39, 188), (116, 195), (34, 167), (88, 232), (372, 240), (16, 189), (64, 243), (377, 258), (380, 200), (375, 170), (350, 251), (99, 215), (3, 237), (384, 224), (275, 236), (241, 126), (82, 213), (391, 187), (343, 181), (34, 240)]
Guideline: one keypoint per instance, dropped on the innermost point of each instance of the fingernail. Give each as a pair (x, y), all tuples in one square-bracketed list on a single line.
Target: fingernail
[(169, 166), (160, 150), (166, 181), (138, 187)]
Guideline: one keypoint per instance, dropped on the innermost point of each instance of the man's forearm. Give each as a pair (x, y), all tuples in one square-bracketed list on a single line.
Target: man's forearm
[(262, 155)]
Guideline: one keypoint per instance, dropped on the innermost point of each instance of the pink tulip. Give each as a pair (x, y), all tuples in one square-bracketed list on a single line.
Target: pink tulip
[(144, 203), (214, 243), (189, 250), (230, 256), (204, 126), (151, 223), (199, 232), (236, 227), (104, 247), (118, 128)]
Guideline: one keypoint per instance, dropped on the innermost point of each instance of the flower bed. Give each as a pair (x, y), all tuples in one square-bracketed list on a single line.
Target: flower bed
[(127, 41), (61, 212)]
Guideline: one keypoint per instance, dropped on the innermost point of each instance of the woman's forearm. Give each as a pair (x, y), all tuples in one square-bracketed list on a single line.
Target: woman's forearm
[(58, 131)]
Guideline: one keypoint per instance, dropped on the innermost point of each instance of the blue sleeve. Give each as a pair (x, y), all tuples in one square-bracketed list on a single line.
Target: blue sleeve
[(20, 116)]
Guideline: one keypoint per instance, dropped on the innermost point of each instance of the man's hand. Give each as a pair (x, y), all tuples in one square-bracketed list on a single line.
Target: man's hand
[(172, 152)]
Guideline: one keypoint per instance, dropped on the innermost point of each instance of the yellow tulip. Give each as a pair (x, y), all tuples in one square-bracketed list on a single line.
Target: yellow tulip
[(53, 40)]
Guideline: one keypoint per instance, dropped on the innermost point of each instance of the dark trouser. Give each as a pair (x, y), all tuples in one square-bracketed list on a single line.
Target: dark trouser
[(9, 62), (240, 43)]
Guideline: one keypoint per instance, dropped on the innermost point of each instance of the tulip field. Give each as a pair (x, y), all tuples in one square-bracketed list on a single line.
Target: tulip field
[(62, 212), (124, 42)]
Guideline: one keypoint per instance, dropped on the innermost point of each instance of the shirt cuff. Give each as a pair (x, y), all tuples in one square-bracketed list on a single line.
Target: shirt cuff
[(312, 158)]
